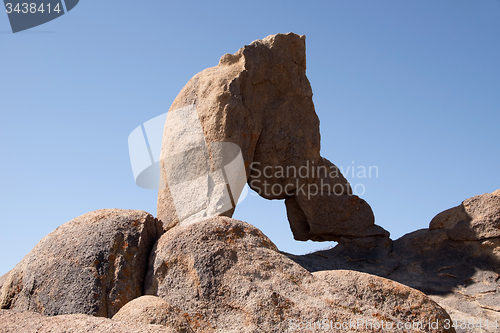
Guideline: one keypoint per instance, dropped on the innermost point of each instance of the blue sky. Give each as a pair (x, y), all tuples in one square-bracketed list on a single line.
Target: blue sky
[(411, 87)]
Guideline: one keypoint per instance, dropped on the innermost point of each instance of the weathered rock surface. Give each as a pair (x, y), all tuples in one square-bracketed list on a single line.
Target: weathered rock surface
[(378, 297), (475, 303), (476, 218), (456, 261), (225, 275), (30, 322), (220, 274), (2, 280), (260, 99), (93, 265), (153, 310)]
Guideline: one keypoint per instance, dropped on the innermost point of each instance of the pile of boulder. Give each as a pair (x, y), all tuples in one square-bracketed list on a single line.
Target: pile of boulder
[(117, 270), (114, 270)]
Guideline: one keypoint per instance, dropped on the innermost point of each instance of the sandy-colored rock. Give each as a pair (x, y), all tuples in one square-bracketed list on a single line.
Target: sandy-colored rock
[(2, 279), (93, 265), (153, 310), (30, 322), (474, 219), (225, 275), (260, 99), (449, 218), (460, 273), (380, 298), (352, 215)]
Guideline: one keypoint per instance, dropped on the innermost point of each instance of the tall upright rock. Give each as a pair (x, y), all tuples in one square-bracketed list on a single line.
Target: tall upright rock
[(260, 99)]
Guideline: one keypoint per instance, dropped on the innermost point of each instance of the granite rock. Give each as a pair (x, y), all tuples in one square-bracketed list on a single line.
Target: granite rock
[(225, 275), (93, 265), (31, 322), (259, 99), (153, 310), (476, 218), (456, 261)]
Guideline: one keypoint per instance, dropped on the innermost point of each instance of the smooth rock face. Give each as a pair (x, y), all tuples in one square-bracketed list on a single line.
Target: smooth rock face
[(31, 322), (225, 275), (93, 265), (152, 310), (260, 99), (456, 261)]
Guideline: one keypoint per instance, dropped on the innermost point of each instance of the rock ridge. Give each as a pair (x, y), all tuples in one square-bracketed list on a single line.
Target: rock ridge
[(456, 260)]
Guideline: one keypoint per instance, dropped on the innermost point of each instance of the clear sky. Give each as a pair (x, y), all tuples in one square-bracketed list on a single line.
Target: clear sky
[(411, 87)]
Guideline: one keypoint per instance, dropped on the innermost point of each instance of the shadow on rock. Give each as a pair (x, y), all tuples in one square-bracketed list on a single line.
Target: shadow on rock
[(457, 259)]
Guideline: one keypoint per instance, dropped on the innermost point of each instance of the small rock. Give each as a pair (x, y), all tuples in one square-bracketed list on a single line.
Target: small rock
[(152, 310), (30, 322)]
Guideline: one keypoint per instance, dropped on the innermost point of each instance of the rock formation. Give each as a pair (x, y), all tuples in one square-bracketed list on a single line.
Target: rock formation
[(32, 322), (153, 310), (456, 261), (260, 99), (226, 276), (217, 275), (2, 280), (93, 265), (476, 218)]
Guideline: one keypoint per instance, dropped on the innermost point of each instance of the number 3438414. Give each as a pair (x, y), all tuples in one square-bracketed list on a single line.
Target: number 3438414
[(27, 8)]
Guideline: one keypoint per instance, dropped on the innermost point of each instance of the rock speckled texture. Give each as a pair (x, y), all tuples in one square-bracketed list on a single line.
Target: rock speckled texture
[(2, 280), (476, 218), (260, 99), (456, 261), (225, 275), (93, 265), (153, 310), (31, 322)]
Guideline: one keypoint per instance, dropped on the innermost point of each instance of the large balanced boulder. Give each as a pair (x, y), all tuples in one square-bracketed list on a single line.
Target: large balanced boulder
[(32, 322), (224, 275), (93, 265), (259, 99)]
